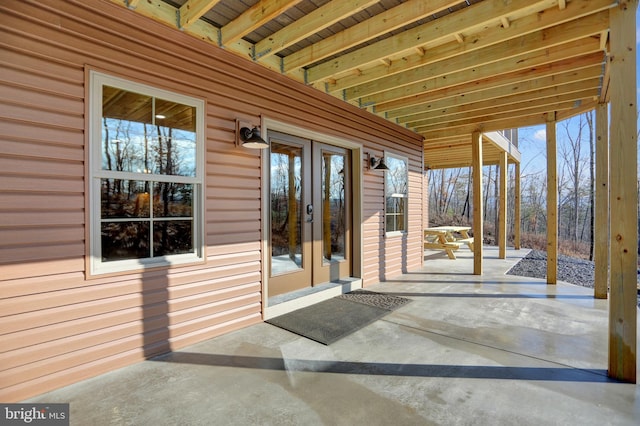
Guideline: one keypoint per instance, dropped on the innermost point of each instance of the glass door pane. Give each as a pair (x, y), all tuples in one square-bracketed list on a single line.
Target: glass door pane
[(286, 208), (333, 206), (332, 227), (291, 214)]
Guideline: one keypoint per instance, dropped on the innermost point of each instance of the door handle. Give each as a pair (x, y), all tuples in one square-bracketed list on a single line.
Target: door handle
[(310, 213)]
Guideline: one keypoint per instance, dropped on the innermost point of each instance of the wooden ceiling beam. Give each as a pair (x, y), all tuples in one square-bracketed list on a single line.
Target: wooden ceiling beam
[(524, 90), (193, 10), (469, 19), (490, 36), (441, 155), (380, 24), (485, 123), (438, 145), (450, 143), (529, 44), (604, 39), (580, 109), (155, 9), (482, 66), (253, 18), (528, 61), (434, 160), (514, 100), (560, 71), (544, 103), (509, 123), (308, 25), (457, 141), (166, 14)]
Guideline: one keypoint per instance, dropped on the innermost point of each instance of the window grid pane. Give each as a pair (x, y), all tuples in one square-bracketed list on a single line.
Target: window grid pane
[(396, 184), (145, 163), (170, 203), (125, 240)]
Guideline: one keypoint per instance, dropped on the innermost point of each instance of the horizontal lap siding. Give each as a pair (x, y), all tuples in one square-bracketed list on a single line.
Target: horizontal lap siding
[(56, 325), (389, 256), (42, 179)]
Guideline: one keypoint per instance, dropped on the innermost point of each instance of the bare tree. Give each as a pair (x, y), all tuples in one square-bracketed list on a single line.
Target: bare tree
[(446, 189), (592, 180), (449, 190), (573, 163)]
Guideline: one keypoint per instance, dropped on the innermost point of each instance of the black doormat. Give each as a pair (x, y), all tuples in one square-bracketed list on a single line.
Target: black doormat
[(333, 319)]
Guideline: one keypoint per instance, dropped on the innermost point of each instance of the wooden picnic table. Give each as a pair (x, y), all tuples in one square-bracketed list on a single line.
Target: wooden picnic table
[(447, 238)]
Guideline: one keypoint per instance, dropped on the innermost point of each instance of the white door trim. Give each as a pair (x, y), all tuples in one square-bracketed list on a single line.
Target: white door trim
[(357, 237)]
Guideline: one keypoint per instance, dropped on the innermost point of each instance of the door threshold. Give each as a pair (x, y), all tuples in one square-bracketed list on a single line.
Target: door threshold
[(284, 303)]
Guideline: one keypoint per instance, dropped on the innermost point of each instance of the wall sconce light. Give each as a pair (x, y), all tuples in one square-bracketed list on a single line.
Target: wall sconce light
[(374, 163), (249, 137)]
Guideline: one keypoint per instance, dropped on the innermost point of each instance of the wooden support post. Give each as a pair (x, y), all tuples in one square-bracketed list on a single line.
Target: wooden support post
[(516, 203), (502, 212), (552, 201), (623, 190), (478, 231), (601, 216)]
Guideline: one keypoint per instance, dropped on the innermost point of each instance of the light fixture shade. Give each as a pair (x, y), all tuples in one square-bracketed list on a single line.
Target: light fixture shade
[(251, 138), (381, 166), (375, 164)]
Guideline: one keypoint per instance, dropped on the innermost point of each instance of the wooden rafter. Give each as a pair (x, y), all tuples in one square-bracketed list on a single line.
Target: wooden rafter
[(192, 10), (496, 96), (309, 24), (522, 62), (377, 25), (488, 37), (476, 16), (544, 75), (444, 68), (255, 17), (545, 97), (487, 119), (531, 44), (467, 129)]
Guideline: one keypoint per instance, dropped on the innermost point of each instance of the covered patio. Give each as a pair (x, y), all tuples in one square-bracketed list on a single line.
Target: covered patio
[(502, 350), (89, 285)]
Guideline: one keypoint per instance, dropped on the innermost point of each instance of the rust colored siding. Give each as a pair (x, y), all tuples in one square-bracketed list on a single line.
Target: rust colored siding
[(390, 256), (59, 325)]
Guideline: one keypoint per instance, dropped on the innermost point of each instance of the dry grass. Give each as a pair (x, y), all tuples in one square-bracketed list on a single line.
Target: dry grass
[(578, 250)]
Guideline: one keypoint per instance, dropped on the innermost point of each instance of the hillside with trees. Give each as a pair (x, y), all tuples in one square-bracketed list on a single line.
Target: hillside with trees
[(450, 190)]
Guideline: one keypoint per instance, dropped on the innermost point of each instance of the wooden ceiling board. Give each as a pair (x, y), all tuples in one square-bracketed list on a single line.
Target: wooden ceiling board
[(442, 68)]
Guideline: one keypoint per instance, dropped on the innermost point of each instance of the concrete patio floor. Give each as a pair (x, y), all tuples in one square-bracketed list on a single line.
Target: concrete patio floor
[(468, 350)]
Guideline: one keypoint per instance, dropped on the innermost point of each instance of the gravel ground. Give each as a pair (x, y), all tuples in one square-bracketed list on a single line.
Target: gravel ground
[(571, 270)]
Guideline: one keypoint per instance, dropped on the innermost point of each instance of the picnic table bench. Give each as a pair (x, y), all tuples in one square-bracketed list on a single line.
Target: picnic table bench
[(447, 238)]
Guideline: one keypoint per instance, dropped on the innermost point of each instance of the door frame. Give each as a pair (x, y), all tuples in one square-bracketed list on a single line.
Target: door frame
[(357, 159)]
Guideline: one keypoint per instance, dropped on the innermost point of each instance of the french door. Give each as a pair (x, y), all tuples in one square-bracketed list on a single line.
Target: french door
[(310, 213)]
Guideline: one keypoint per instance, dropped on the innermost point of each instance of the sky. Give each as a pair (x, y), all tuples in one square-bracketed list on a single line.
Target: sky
[(532, 140)]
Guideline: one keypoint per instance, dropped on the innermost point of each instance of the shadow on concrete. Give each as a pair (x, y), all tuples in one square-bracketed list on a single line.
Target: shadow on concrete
[(478, 282), (496, 295), (556, 374)]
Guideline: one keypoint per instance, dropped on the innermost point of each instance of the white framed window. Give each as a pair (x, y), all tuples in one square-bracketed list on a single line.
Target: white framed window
[(396, 181), (146, 149)]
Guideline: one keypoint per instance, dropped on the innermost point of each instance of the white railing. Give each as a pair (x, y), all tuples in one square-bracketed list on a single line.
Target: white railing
[(511, 135)]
